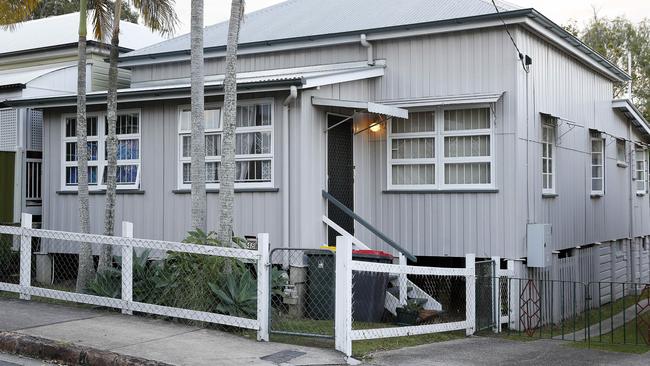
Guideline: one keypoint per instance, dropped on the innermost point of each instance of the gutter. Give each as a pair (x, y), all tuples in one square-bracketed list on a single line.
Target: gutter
[(293, 95), (130, 95)]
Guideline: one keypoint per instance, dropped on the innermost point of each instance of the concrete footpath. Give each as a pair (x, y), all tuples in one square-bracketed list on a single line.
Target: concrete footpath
[(150, 339)]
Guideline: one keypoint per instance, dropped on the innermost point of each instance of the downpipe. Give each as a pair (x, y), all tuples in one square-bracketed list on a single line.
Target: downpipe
[(293, 94), (369, 48)]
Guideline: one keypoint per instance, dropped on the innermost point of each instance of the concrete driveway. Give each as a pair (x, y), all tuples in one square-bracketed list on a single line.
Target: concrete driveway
[(497, 351)]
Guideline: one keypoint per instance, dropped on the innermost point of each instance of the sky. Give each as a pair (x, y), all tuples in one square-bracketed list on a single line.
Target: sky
[(560, 11)]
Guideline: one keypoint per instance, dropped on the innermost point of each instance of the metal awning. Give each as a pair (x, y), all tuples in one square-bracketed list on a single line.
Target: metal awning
[(627, 108), (371, 107)]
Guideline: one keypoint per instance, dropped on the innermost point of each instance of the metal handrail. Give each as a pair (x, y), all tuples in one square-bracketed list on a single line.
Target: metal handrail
[(368, 226)]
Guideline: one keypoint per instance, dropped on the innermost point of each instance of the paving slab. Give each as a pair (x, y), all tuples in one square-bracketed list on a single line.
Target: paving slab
[(498, 351), (18, 314)]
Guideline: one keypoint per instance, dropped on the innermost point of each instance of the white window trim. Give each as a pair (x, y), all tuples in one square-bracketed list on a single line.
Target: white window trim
[(600, 192), (440, 160), (553, 159), (101, 162), (250, 157), (641, 151)]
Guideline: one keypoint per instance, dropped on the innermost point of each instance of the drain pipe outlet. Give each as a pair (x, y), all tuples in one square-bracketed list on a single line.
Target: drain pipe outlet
[(368, 46), (293, 94)]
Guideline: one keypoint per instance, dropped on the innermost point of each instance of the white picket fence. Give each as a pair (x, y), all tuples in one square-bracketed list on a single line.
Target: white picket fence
[(26, 288)]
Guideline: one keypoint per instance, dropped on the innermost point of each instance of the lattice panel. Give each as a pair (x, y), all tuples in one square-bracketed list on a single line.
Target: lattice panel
[(36, 130), (8, 129)]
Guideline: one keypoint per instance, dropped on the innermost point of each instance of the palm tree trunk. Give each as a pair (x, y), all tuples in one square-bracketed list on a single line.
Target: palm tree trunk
[(198, 119), (86, 269), (106, 254), (227, 170)]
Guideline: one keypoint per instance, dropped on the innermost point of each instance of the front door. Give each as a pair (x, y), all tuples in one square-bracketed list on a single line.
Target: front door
[(340, 173)]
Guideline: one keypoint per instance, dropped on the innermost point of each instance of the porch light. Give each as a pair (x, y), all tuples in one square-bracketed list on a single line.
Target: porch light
[(376, 127)]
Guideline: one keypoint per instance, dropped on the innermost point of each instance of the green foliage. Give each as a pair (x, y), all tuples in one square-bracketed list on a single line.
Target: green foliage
[(48, 8), (613, 38), (107, 283), (237, 295)]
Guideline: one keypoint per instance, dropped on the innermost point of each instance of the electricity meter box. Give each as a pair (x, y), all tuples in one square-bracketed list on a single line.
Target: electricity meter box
[(539, 245)]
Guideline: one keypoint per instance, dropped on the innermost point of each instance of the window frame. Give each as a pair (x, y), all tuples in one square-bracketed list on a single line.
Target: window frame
[(180, 160), (101, 163), (550, 124), (597, 136), (439, 160), (643, 152)]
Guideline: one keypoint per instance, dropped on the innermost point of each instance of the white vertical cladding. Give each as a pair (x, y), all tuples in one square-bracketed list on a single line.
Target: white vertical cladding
[(561, 86), (438, 224)]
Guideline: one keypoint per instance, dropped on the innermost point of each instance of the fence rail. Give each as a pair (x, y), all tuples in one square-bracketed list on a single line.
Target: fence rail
[(199, 282)]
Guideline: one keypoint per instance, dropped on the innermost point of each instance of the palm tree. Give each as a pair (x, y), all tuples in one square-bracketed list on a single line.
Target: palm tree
[(158, 15), (16, 11), (101, 19), (227, 169), (197, 166)]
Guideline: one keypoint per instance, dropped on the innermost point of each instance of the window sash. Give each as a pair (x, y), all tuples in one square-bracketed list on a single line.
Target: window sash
[(641, 172), (264, 118), (100, 163), (548, 158), (441, 138), (597, 166)]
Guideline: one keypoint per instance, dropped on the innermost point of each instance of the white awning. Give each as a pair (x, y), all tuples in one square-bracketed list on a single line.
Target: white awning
[(371, 107), (25, 75)]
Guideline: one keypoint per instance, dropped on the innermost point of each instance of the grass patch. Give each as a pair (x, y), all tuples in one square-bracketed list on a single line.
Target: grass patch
[(628, 338)]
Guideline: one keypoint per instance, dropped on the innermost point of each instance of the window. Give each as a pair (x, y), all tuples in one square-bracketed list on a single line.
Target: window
[(548, 156), (621, 159), (253, 145), (128, 150), (597, 164), (641, 173), (441, 149)]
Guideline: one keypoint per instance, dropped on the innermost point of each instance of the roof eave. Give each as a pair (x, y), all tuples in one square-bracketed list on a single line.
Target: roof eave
[(632, 113), (128, 95)]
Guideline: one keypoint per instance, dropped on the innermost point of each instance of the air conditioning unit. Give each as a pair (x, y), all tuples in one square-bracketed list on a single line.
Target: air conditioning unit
[(539, 245)]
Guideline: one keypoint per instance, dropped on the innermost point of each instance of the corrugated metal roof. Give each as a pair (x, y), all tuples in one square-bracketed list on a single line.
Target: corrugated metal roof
[(64, 29), (304, 18)]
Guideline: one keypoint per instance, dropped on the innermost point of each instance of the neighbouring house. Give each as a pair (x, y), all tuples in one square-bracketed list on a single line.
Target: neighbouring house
[(420, 116), (39, 58)]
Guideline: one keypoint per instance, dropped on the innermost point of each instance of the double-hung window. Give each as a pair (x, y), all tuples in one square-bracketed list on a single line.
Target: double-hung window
[(548, 156), (597, 164), (253, 145), (441, 149), (128, 151), (641, 173)]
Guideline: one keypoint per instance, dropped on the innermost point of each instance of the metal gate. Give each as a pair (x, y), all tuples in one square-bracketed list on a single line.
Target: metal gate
[(486, 294), (302, 292)]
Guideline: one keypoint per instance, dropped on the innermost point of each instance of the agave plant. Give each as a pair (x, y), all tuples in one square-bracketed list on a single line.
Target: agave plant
[(237, 295)]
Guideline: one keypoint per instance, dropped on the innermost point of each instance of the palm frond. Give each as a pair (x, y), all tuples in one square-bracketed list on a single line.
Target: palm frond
[(16, 11), (101, 12), (158, 15)]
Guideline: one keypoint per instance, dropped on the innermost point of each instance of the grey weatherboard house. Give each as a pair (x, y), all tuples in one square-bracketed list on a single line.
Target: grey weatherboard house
[(497, 157)]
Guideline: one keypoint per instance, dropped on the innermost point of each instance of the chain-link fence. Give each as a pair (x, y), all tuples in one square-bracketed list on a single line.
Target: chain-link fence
[(196, 280), (303, 292)]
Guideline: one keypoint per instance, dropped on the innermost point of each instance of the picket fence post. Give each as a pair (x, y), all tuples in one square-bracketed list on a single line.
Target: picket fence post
[(127, 268), (25, 257), (263, 286), (470, 293), (496, 293), (343, 285)]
